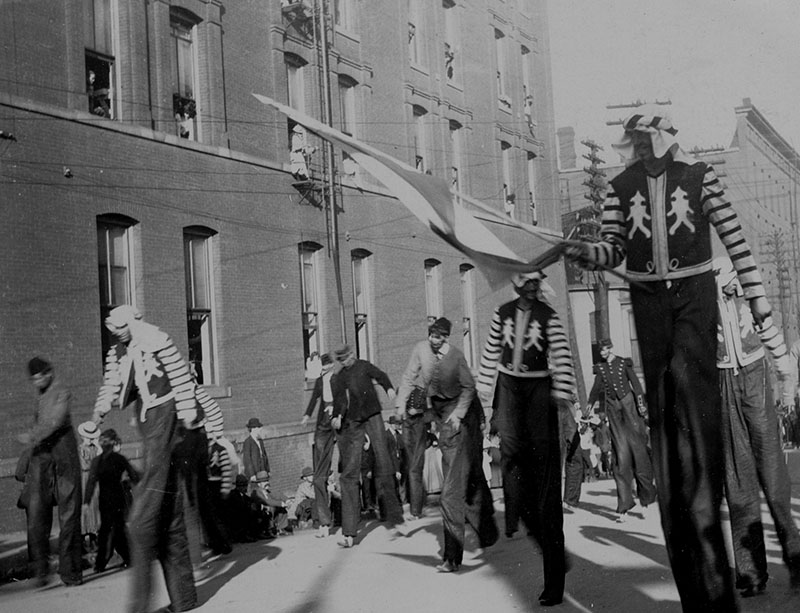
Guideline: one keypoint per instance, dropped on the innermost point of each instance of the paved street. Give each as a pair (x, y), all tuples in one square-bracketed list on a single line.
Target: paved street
[(616, 568)]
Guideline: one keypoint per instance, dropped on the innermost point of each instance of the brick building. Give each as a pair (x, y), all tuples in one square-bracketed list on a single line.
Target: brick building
[(761, 174), (136, 167)]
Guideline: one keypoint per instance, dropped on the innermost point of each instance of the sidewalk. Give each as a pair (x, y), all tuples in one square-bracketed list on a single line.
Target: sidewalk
[(616, 568)]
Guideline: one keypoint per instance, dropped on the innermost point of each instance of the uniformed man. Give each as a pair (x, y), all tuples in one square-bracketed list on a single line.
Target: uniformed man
[(627, 413)]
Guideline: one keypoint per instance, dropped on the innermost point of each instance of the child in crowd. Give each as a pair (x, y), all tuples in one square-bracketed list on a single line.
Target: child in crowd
[(301, 506), (88, 450), (110, 470)]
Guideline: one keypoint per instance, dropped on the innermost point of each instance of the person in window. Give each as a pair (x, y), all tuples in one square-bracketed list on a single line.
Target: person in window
[(528, 351), (658, 217), (356, 413), (53, 478), (144, 367)]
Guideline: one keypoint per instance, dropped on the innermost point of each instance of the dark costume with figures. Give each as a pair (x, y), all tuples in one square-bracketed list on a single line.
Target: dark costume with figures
[(523, 345), (661, 226), (624, 407)]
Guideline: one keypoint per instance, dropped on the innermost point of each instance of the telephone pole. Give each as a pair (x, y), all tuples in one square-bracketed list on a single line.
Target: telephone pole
[(776, 252), (589, 230)]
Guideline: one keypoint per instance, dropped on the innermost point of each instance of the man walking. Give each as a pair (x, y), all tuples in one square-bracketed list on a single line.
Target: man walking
[(658, 217), (53, 478), (753, 454), (528, 349), (626, 412), (356, 413), (144, 360)]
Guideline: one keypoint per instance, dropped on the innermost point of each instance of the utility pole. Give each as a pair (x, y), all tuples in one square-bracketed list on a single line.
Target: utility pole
[(775, 252), (321, 9), (589, 230)]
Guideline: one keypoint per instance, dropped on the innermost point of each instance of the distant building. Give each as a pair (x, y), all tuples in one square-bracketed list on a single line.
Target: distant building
[(144, 172), (761, 175)]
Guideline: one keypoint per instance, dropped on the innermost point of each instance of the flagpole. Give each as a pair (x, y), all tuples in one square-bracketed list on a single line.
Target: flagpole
[(330, 184)]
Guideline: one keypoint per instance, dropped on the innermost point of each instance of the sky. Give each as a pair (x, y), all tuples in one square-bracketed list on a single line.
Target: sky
[(703, 55)]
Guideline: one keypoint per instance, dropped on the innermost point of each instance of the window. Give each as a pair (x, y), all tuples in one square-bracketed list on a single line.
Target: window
[(509, 198), (347, 105), (344, 14), (456, 148), (421, 162), (416, 46), (295, 90), (433, 289), (99, 20), (451, 39), (527, 90), (502, 80), (184, 74), (114, 258), (200, 303), (309, 297), (361, 259), (467, 275), (531, 167)]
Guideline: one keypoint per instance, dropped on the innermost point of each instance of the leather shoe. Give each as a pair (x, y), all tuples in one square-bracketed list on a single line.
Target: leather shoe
[(549, 602)]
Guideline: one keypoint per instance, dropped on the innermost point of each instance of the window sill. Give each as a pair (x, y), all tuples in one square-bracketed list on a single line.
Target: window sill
[(419, 68), (217, 391)]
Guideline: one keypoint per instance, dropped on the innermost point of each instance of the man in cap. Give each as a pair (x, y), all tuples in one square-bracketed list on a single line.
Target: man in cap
[(145, 366), (658, 217), (753, 454), (626, 411), (254, 453), (324, 441), (356, 413), (53, 477), (441, 372), (528, 351)]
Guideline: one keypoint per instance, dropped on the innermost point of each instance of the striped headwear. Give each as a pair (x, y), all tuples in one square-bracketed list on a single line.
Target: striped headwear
[(653, 120)]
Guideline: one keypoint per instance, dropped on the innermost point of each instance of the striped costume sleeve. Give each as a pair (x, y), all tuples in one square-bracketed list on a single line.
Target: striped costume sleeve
[(213, 423), (490, 356), (560, 358), (179, 378), (772, 339), (611, 250), (230, 465), (110, 388), (720, 212)]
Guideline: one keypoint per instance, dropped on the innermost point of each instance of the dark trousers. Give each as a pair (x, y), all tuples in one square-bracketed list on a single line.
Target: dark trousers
[(55, 480), (573, 470), (465, 496), (415, 438), (157, 528), (324, 441), (111, 537), (191, 455), (351, 441), (753, 457), (629, 442), (527, 423), (677, 329)]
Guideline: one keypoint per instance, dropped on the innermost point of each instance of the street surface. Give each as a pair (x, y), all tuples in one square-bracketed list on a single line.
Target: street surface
[(616, 567)]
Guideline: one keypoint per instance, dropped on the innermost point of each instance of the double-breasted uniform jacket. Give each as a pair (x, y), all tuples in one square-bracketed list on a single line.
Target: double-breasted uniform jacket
[(616, 378)]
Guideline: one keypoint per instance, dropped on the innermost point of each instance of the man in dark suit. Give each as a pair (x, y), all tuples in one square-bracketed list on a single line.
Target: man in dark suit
[(398, 453), (254, 453)]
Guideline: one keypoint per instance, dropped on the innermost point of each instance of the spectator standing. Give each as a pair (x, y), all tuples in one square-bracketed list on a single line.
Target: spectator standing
[(254, 453), (53, 477), (658, 217), (753, 456), (528, 351), (397, 451), (625, 409), (356, 413), (145, 360), (324, 442), (108, 471)]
